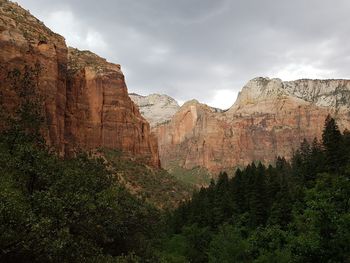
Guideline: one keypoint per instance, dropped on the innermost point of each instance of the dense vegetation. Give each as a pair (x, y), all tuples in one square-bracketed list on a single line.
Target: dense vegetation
[(62, 210), (78, 210), (195, 177), (54, 210), (293, 212), (154, 186)]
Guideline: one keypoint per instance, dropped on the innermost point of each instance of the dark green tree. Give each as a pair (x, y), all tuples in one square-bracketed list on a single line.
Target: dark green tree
[(333, 145)]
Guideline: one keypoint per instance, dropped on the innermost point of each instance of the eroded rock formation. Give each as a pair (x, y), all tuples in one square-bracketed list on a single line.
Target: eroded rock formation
[(85, 99), (156, 108), (100, 113), (270, 118)]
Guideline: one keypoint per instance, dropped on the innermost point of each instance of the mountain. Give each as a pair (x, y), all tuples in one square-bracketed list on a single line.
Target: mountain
[(156, 108), (270, 118), (84, 99), (85, 105)]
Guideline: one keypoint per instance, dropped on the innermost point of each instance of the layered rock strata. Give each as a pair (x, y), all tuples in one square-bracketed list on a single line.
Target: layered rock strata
[(85, 102), (27, 46), (270, 118)]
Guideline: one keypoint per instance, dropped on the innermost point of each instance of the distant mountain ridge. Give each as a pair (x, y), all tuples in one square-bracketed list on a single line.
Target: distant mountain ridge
[(269, 118), (159, 108), (332, 93), (86, 106)]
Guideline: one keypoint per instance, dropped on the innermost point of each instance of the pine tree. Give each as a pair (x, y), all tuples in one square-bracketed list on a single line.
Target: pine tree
[(317, 159), (258, 197), (305, 150), (346, 140), (238, 192), (332, 142)]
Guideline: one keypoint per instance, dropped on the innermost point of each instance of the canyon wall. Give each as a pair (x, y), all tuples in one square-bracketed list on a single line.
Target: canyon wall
[(270, 118), (85, 102), (28, 47)]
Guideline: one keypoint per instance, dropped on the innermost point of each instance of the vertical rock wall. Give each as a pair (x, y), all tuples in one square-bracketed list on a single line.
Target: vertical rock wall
[(85, 102)]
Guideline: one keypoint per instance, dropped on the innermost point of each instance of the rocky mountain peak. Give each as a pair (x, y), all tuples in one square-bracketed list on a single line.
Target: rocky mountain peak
[(259, 89), (260, 94), (192, 102), (195, 103), (270, 118), (156, 108)]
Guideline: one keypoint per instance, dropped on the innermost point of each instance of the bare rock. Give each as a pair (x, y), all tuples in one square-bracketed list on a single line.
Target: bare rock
[(85, 101), (156, 108), (270, 118)]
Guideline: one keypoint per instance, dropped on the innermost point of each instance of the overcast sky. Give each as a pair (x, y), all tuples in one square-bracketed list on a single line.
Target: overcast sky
[(206, 49)]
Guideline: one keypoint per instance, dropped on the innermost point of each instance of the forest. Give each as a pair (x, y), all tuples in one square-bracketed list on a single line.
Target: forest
[(295, 211), (74, 209)]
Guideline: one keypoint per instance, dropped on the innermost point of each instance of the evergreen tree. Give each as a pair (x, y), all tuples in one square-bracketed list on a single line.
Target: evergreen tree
[(333, 146), (317, 159), (286, 213), (238, 193), (346, 141)]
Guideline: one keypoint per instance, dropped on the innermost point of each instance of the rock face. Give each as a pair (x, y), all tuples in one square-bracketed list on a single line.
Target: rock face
[(100, 113), (270, 118), (27, 45), (85, 99), (156, 109)]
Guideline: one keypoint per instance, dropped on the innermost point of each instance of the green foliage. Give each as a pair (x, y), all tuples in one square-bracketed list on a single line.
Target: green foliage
[(195, 177), (64, 210), (298, 212), (76, 210), (56, 210), (333, 145), (228, 245), (189, 245), (322, 228), (174, 249), (156, 187)]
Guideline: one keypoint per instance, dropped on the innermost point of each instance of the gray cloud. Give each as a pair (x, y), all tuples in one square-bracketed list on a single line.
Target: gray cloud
[(203, 48)]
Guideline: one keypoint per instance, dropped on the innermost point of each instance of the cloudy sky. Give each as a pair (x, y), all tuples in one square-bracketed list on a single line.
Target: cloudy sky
[(206, 49)]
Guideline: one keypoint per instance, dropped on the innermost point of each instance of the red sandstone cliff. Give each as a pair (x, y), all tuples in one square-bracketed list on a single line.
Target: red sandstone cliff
[(270, 118), (26, 42), (85, 99), (99, 111)]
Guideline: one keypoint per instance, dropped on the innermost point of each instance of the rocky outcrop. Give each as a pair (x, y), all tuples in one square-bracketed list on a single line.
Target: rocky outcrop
[(190, 138), (156, 108), (332, 94), (27, 45), (85, 99), (270, 118), (324, 93), (100, 113)]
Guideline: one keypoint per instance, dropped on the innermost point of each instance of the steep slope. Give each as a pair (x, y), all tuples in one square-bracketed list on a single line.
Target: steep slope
[(181, 140), (84, 98), (99, 111), (270, 118), (155, 186), (27, 46), (156, 108)]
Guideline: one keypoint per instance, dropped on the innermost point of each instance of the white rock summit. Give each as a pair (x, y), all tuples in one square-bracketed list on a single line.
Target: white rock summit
[(263, 94), (156, 108)]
